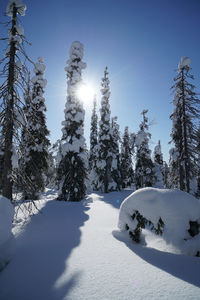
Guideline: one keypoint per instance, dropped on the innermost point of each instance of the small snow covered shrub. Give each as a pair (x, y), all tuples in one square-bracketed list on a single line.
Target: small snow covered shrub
[(6, 236), (173, 214)]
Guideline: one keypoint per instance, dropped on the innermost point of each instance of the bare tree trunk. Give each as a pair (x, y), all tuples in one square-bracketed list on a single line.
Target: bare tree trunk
[(8, 126)]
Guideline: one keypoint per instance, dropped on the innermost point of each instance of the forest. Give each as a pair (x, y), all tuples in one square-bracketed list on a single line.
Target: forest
[(61, 181)]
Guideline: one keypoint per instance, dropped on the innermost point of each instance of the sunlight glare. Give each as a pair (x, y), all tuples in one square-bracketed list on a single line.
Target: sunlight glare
[(86, 93)]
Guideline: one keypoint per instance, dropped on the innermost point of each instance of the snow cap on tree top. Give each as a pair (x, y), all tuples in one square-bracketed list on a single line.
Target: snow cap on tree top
[(76, 50), (21, 7), (39, 66), (184, 62)]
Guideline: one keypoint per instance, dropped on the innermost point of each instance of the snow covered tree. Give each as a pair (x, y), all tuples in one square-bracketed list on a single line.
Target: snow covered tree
[(157, 154), (197, 194), (104, 163), (35, 160), (173, 168), (158, 166), (13, 72), (72, 170), (115, 167), (127, 173), (93, 155), (144, 169), (185, 113), (166, 178), (1, 161)]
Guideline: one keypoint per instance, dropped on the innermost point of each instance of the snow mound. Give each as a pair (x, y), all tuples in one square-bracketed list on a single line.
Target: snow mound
[(184, 62), (21, 7), (179, 211), (6, 237)]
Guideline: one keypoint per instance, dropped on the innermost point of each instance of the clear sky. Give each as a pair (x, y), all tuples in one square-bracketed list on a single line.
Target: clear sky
[(141, 42)]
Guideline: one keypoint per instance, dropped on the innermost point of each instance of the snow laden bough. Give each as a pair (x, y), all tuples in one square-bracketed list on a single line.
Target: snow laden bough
[(173, 214), (20, 6), (6, 236)]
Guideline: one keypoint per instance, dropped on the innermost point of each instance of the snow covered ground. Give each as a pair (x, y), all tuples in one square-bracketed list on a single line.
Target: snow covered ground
[(74, 251)]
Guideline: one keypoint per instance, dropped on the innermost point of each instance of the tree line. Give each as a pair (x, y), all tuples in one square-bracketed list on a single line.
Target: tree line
[(29, 163)]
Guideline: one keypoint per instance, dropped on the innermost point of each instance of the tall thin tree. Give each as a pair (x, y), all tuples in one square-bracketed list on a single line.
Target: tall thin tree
[(184, 130), (93, 154), (105, 156), (72, 170), (144, 169), (116, 166), (35, 137), (127, 172), (9, 91)]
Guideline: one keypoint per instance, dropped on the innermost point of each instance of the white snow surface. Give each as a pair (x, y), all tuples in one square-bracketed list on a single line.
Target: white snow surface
[(6, 237), (176, 209), (72, 251)]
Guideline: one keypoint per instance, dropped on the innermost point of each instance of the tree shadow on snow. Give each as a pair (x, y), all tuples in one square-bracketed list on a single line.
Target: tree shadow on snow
[(116, 198), (184, 267), (42, 253)]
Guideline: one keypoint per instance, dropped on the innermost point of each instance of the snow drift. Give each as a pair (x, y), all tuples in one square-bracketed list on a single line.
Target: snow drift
[(6, 237), (173, 214)]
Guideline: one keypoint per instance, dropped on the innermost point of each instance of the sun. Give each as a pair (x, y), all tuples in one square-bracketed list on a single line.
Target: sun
[(86, 93)]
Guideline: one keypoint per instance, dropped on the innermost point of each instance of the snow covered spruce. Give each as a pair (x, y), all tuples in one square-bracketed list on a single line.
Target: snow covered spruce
[(34, 161), (6, 237), (184, 154), (173, 214), (127, 173), (144, 168), (93, 154), (107, 159), (72, 170), (159, 169)]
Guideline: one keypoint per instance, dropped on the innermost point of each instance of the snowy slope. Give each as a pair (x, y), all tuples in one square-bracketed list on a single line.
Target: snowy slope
[(73, 251)]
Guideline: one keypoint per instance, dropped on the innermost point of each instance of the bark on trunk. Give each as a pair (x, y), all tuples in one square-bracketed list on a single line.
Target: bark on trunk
[(9, 122)]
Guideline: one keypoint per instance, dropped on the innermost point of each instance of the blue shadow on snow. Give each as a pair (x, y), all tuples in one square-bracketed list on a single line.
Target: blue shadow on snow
[(184, 267), (42, 253)]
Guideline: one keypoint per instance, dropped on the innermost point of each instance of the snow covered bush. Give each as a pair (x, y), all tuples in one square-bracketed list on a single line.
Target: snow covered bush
[(174, 214), (6, 237)]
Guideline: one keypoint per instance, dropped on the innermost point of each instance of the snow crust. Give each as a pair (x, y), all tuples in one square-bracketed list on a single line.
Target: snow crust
[(21, 7), (6, 237), (176, 208)]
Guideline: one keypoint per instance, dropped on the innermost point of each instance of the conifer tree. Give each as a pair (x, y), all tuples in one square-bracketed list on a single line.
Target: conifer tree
[(173, 168), (197, 194), (166, 178), (93, 155), (35, 136), (144, 170), (13, 72), (126, 160), (115, 167), (184, 137), (158, 166), (104, 162), (72, 170)]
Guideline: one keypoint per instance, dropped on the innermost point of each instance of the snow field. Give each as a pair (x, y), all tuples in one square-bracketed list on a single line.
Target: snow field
[(74, 251), (6, 237)]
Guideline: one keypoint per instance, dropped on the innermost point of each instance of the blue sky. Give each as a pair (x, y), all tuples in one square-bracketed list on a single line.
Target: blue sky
[(141, 42)]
